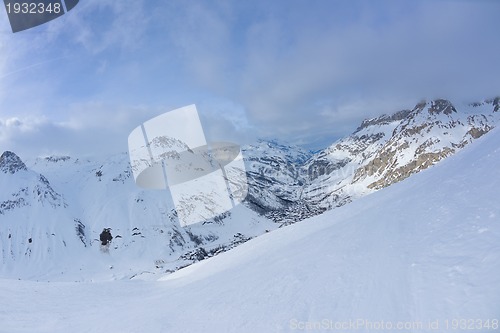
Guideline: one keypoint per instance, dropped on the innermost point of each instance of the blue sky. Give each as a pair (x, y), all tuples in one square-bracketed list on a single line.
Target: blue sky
[(305, 72)]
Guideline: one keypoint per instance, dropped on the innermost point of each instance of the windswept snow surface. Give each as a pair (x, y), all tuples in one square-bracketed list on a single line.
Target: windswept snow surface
[(420, 254)]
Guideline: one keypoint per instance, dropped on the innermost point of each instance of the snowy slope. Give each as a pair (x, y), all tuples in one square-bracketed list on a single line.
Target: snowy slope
[(417, 253), (100, 193), (36, 229)]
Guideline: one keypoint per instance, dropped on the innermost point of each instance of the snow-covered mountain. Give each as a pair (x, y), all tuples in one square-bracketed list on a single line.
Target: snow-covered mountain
[(98, 194), (60, 204), (274, 175), (420, 256), (383, 151), (36, 228)]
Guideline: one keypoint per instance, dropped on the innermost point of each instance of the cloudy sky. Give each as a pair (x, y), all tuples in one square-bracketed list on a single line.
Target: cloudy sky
[(304, 72)]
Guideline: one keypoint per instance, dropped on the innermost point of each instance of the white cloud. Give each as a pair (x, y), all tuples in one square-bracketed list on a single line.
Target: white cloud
[(442, 50), (302, 72), (89, 129)]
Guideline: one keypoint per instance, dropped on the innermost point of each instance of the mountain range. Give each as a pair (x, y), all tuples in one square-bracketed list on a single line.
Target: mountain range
[(380, 152), (421, 255), (53, 209)]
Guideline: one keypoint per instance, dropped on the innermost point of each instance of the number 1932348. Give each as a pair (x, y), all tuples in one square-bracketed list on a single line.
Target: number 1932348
[(471, 324), (33, 8)]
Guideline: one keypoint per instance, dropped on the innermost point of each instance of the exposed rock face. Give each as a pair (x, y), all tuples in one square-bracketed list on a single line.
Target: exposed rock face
[(423, 161), (442, 106), (385, 119), (421, 140), (496, 103), (28, 189), (381, 152), (321, 167), (11, 163), (274, 175)]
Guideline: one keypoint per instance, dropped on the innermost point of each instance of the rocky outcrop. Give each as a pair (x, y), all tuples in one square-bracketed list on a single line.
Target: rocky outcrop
[(441, 106), (381, 152), (11, 163), (30, 189), (384, 119)]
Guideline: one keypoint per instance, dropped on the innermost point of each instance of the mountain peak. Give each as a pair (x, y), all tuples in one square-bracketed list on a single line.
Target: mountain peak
[(442, 106), (11, 163), (496, 103), (384, 119)]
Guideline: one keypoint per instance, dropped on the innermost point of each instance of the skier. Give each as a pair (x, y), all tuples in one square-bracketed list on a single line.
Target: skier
[(105, 236)]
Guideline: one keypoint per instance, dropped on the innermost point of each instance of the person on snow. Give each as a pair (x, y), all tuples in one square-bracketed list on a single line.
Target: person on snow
[(105, 236)]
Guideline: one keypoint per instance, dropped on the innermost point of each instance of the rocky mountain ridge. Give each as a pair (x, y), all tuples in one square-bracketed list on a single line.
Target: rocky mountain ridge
[(382, 151), (49, 205)]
